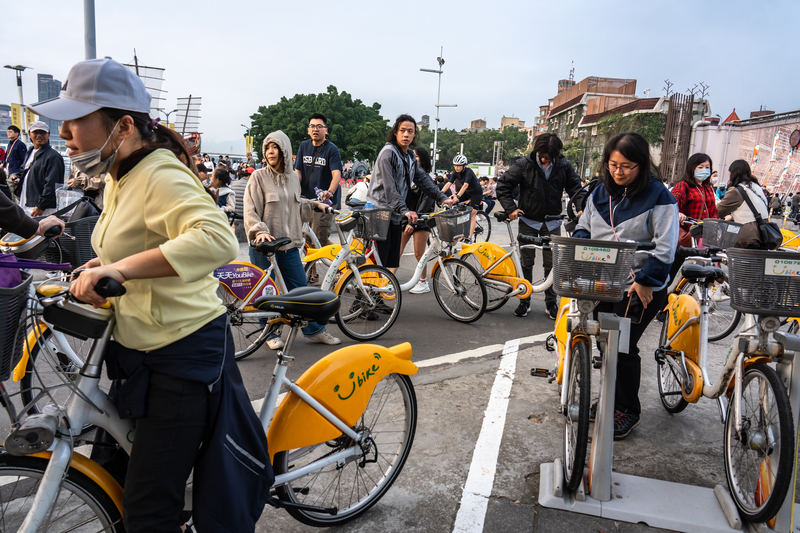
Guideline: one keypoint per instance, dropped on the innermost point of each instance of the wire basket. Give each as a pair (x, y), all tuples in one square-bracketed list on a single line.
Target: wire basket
[(13, 304), (764, 282), (373, 224), (453, 225), (720, 233), (75, 252), (591, 269)]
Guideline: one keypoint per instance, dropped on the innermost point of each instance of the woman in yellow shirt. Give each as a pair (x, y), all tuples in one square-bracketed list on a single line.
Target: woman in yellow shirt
[(162, 236)]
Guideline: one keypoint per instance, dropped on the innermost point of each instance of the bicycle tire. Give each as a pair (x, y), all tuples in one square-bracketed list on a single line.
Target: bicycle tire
[(356, 318), (747, 490), (722, 319), (243, 327), (469, 295), (576, 428), (81, 506), (50, 362), (483, 227), (669, 383), (495, 297), (394, 392)]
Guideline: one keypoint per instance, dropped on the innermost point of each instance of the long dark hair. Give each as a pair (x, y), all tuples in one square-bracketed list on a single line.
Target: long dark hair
[(635, 148), (694, 161), (741, 174), (392, 135), (153, 139), (424, 158)]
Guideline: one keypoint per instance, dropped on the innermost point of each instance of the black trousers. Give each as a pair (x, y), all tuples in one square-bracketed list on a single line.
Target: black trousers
[(629, 365), (528, 258), (163, 455)]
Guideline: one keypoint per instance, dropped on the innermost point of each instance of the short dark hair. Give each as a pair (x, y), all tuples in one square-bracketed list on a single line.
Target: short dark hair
[(694, 161), (202, 168), (222, 176), (392, 135), (318, 116), (548, 143), (424, 158), (741, 174), (13, 128), (633, 147)]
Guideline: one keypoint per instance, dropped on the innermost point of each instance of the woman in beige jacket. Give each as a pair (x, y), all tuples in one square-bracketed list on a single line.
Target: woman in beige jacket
[(273, 208)]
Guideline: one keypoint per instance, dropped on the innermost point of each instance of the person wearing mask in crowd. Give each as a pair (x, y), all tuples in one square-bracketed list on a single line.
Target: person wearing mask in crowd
[(226, 198), (396, 168), (162, 237), (420, 231), (465, 187), (542, 177), (319, 166), (43, 173), (273, 208), (15, 157), (741, 182), (630, 204)]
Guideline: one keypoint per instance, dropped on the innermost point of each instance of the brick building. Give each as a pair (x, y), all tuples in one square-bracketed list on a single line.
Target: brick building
[(477, 125), (511, 122)]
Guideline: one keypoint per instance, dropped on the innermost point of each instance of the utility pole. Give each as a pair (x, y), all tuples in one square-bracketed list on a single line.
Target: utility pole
[(24, 129), (440, 60), (90, 39)]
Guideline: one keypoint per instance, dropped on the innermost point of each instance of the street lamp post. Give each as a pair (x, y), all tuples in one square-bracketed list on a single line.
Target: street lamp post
[(168, 114), (440, 59), (463, 134), (247, 140), (19, 69), (89, 37)]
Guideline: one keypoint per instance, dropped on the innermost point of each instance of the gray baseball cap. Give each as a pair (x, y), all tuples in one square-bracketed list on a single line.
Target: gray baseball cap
[(92, 85), (38, 125)]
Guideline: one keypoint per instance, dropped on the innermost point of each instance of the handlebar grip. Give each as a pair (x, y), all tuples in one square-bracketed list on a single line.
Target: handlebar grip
[(109, 288), (530, 239), (646, 246), (53, 231), (693, 252), (548, 218)]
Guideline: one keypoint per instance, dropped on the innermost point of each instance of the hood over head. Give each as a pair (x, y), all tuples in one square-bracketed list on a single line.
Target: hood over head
[(283, 142)]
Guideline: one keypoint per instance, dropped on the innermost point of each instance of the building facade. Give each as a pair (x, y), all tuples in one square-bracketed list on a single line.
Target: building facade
[(51, 88), (5, 122), (477, 125), (511, 122)]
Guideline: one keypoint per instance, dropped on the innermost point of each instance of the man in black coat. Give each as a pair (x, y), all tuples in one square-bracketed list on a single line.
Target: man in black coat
[(43, 173), (542, 176)]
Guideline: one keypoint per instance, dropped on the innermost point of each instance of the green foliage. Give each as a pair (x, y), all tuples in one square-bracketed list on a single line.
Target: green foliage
[(358, 130), (650, 125), (574, 152), (478, 146)]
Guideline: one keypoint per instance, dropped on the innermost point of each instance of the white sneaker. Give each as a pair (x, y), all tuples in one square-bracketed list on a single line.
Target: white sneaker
[(421, 287), (323, 337), (275, 344)]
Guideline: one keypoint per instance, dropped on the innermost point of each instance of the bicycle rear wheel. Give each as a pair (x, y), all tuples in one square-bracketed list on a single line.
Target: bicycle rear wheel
[(722, 318), (483, 227), (81, 506), (357, 318), (669, 382), (495, 295), (576, 415), (391, 421), (758, 462), (248, 332), (459, 290)]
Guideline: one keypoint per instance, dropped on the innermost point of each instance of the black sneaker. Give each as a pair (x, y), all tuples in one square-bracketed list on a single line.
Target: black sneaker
[(624, 424), (552, 311), (522, 309)]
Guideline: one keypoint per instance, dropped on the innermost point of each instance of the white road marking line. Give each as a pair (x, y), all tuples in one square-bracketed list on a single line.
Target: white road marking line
[(475, 497), (478, 352)]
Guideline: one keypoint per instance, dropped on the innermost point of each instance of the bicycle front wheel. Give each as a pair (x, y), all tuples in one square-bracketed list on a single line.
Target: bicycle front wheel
[(248, 332), (81, 506), (576, 415), (365, 318), (669, 382), (459, 290), (483, 228), (722, 318), (390, 420), (496, 291), (758, 461)]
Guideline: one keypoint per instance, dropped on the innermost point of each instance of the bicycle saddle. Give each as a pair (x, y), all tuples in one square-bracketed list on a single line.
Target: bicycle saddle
[(265, 248), (501, 216), (698, 273), (309, 303)]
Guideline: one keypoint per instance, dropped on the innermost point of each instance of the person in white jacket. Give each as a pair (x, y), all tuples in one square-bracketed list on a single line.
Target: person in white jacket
[(226, 198)]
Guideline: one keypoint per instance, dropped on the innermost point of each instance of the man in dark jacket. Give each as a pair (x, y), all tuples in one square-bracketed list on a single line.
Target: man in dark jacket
[(43, 173), (542, 176), (15, 156)]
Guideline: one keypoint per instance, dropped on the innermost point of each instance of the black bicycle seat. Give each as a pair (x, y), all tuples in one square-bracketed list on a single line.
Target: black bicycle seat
[(265, 248), (501, 216), (309, 303), (700, 273)]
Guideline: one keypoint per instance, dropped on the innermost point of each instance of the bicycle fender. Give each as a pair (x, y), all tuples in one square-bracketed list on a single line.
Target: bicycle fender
[(680, 309), (326, 252), (561, 334), (96, 473), (489, 252), (342, 382), (33, 336)]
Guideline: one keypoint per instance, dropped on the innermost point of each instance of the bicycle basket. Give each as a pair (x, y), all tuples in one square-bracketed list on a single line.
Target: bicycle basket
[(720, 233), (591, 269), (75, 252), (13, 304), (374, 224), (453, 225), (763, 282)]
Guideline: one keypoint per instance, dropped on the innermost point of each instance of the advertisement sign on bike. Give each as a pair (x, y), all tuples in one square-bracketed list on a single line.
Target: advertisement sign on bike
[(240, 278)]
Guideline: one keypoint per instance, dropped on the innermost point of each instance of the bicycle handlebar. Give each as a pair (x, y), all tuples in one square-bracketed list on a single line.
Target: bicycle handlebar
[(531, 240), (109, 288), (53, 231)]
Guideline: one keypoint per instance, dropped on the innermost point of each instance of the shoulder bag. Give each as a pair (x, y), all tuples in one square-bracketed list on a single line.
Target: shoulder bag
[(768, 232)]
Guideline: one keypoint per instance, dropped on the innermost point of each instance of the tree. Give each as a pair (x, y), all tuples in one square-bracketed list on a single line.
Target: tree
[(358, 130), (478, 146)]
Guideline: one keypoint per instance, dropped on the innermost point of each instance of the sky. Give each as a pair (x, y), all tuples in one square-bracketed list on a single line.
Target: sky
[(502, 57)]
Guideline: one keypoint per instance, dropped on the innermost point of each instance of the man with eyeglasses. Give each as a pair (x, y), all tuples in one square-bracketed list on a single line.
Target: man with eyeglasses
[(319, 166), (542, 176), (43, 173)]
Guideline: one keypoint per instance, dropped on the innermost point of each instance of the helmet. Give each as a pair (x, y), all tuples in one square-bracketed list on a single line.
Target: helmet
[(460, 160)]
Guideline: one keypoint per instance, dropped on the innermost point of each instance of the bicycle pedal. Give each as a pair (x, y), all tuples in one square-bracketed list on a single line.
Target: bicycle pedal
[(597, 361), (541, 372), (36, 434)]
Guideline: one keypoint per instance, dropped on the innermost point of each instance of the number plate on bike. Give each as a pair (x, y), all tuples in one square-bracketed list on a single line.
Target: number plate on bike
[(596, 254), (463, 219), (781, 267)]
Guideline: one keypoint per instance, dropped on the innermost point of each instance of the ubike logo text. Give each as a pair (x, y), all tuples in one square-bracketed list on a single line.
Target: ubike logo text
[(595, 254), (360, 379), (782, 267), (238, 274)]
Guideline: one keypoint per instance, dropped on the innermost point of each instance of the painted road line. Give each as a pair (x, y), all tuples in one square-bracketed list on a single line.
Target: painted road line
[(478, 352), (475, 497)]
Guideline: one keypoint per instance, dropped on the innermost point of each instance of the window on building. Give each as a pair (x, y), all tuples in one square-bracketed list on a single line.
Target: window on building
[(594, 130)]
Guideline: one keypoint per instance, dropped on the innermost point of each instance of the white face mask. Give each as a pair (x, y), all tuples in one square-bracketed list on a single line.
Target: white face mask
[(91, 163)]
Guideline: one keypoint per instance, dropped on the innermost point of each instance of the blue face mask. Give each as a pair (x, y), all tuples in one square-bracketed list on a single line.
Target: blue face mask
[(702, 174)]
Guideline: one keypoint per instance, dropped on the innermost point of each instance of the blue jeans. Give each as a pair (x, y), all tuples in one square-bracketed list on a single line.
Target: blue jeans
[(489, 204), (293, 275)]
